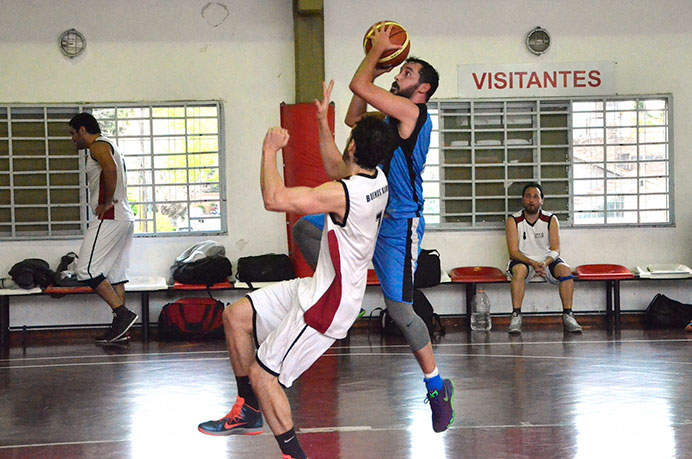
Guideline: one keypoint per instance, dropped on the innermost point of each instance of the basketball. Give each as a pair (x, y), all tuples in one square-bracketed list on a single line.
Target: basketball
[(397, 36)]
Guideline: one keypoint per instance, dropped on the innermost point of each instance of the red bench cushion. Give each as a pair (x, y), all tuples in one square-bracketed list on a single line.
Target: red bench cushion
[(219, 286), (603, 272), (477, 274)]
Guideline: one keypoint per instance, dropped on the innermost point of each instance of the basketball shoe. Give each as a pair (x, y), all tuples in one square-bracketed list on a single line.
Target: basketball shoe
[(441, 404), (242, 420), (121, 324), (570, 324), (515, 323)]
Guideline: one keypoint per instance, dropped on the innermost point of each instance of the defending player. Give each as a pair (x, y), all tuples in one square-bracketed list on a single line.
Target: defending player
[(295, 322), (533, 241), (105, 252)]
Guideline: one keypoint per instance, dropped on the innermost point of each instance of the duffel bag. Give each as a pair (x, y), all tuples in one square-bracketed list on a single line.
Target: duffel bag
[(191, 318)]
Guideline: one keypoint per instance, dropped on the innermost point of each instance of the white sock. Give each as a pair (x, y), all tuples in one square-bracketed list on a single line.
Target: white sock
[(432, 374)]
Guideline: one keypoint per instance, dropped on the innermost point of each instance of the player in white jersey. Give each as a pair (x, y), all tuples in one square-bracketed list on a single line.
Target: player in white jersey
[(294, 322), (533, 241), (104, 254)]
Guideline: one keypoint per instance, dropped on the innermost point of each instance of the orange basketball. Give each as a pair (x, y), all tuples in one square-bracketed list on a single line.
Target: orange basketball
[(398, 36)]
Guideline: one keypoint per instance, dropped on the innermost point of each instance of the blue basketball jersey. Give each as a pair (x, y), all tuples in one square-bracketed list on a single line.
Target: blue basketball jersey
[(406, 165)]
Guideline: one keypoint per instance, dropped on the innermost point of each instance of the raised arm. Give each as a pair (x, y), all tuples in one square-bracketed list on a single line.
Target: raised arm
[(101, 153), (363, 87), (331, 157), (329, 197)]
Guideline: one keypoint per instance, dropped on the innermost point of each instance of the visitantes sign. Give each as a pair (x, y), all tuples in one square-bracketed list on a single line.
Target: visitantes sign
[(531, 80)]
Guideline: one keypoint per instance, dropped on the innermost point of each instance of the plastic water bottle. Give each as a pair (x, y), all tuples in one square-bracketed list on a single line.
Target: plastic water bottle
[(480, 312)]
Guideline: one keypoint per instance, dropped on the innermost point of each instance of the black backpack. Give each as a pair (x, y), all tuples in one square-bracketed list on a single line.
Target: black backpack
[(32, 272), (664, 312), (428, 269), (264, 268), (207, 271), (423, 308)]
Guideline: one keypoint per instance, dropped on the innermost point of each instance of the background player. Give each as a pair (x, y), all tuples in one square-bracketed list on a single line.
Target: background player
[(105, 252), (533, 241)]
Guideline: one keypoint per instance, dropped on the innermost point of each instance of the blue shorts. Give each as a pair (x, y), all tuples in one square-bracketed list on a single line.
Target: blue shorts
[(396, 254), (317, 220)]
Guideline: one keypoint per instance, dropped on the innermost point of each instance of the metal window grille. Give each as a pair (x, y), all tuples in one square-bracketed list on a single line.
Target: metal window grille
[(173, 154), (601, 162)]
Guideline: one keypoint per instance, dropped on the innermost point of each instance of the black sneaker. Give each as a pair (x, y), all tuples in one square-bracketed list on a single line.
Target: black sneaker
[(121, 324)]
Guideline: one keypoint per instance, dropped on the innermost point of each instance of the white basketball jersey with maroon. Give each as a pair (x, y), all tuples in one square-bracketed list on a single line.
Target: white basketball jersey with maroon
[(333, 299), (534, 239), (121, 207)]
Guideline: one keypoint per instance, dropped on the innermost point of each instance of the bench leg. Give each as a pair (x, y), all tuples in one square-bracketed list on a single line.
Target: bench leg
[(616, 298), (470, 293), (145, 317), (4, 320), (609, 301)]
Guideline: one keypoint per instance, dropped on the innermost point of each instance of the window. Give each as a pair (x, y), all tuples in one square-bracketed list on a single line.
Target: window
[(173, 154), (599, 161)]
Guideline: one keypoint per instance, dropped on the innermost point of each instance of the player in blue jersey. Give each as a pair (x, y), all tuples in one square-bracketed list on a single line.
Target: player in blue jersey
[(398, 243)]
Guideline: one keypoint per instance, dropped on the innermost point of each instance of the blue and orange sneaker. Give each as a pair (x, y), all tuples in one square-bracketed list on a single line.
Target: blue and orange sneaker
[(689, 327), (242, 420), (442, 406)]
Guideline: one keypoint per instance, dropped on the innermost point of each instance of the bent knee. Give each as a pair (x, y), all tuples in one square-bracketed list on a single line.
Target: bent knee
[(519, 272), (238, 315)]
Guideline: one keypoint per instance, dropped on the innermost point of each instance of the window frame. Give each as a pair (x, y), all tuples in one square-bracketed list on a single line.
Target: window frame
[(437, 107)]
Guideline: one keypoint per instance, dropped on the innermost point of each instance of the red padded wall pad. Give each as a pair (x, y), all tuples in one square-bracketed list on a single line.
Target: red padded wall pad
[(302, 164)]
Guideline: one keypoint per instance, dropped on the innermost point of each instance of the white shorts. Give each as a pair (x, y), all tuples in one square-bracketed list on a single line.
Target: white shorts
[(106, 250), (287, 346), (549, 276)]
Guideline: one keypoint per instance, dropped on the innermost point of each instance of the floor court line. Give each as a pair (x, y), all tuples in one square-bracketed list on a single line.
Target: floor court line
[(362, 346), (347, 429), (594, 359)]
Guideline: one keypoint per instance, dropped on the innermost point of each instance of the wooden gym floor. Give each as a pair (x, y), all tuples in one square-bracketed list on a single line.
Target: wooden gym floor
[(543, 394)]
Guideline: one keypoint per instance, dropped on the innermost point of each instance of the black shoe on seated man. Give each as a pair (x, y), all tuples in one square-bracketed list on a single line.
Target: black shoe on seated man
[(123, 319)]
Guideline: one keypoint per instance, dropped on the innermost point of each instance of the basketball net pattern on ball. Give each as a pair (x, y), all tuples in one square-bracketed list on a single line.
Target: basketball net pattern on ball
[(385, 59)]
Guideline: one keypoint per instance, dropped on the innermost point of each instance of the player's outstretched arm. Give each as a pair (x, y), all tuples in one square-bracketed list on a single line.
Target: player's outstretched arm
[(327, 198), (363, 87), (331, 157)]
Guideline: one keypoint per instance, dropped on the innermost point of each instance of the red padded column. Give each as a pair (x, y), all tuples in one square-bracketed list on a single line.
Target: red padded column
[(302, 164)]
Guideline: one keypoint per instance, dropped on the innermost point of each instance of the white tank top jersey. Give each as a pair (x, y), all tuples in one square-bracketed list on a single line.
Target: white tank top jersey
[(534, 239), (121, 209), (332, 300)]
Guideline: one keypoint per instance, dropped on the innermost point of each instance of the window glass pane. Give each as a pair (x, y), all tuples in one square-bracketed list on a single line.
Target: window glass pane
[(653, 134), (654, 217), (587, 106), (202, 111), (621, 105), (649, 152), (652, 169), (587, 119), (621, 118), (587, 136), (621, 135), (589, 187), (588, 154), (169, 126), (653, 201)]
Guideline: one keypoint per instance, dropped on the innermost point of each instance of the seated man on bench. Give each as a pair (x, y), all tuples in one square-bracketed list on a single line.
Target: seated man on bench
[(533, 241)]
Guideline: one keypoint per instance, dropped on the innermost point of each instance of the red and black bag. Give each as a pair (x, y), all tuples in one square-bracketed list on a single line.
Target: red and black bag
[(191, 318)]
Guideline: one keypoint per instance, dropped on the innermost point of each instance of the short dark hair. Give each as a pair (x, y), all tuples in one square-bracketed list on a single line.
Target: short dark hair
[(373, 140), (428, 74), (532, 185), (87, 120)]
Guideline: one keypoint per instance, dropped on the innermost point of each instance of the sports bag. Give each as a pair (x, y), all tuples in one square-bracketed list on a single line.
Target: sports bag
[(423, 308), (270, 267), (32, 272), (203, 263), (428, 269), (191, 318), (664, 312)]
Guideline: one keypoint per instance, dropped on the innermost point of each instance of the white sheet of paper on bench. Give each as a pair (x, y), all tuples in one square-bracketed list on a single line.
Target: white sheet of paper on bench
[(664, 271)]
